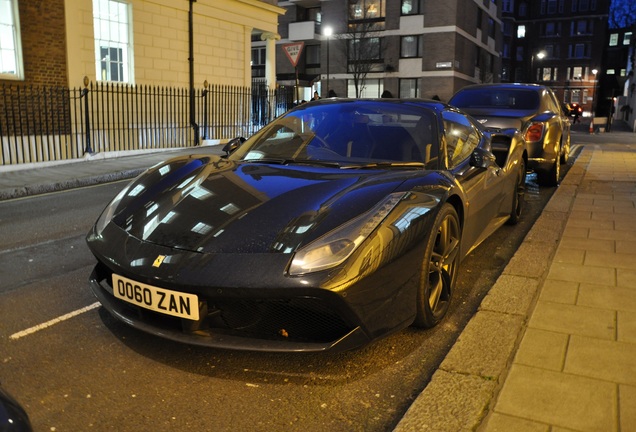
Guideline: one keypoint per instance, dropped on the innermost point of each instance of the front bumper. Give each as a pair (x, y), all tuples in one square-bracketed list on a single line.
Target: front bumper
[(287, 322)]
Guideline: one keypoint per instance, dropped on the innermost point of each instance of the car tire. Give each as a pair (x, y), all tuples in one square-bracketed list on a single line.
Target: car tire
[(551, 176), (438, 271), (565, 155), (518, 197)]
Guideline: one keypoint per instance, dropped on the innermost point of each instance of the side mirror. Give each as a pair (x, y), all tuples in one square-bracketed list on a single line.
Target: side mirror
[(481, 158), (233, 144)]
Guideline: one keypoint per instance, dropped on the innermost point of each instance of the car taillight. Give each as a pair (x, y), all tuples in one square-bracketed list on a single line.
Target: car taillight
[(534, 132)]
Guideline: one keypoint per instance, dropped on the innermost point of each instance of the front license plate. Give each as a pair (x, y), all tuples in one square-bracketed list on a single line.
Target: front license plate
[(160, 300)]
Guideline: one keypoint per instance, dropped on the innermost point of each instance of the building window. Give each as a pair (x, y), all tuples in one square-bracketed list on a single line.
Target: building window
[(577, 51), (575, 73), (613, 40), (409, 88), (508, 6), (584, 5), (491, 28), (576, 96), (521, 31), (552, 6), (574, 4), (258, 62), (519, 54), (371, 88), (581, 27), (259, 56), (548, 74), (113, 41), (523, 9), (411, 46), (550, 29), (314, 14), (549, 51), (412, 7), (312, 56), (366, 9), (10, 41), (627, 38)]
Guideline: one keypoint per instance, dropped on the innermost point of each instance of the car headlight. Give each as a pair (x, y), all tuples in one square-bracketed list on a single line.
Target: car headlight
[(109, 211), (336, 246)]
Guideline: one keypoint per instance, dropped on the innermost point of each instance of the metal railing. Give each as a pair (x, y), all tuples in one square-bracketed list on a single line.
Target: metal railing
[(39, 124)]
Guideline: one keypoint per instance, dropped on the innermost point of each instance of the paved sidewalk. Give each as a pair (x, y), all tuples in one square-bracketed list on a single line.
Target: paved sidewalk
[(19, 181), (553, 345)]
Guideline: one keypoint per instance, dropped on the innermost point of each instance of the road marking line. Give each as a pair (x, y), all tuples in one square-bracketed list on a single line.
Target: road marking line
[(20, 334)]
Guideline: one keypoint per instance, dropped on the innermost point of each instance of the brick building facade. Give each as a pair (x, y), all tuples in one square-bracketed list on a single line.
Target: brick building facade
[(43, 34)]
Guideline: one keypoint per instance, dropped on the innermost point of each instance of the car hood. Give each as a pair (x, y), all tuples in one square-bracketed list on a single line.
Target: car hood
[(212, 205)]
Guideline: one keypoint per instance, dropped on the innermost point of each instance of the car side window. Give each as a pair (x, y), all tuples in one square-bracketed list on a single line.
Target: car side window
[(461, 137), (556, 105)]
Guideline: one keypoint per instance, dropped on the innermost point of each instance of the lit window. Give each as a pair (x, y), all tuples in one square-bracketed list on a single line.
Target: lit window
[(411, 7), (366, 9), (521, 31), (369, 88), (613, 41), (627, 38), (10, 46), (113, 41)]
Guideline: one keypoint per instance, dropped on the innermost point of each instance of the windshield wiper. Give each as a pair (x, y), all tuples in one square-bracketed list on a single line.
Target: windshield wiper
[(284, 161), (372, 165)]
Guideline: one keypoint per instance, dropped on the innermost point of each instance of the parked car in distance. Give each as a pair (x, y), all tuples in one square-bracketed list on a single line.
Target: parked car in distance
[(531, 108), (336, 224)]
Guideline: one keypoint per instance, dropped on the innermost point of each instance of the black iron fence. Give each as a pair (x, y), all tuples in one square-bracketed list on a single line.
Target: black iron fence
[(47, 124)]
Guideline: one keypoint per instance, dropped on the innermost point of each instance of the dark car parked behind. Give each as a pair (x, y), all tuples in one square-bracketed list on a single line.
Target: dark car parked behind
[(531, 108)]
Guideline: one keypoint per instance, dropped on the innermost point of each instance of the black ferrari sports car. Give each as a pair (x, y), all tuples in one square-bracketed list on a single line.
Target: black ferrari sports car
[(338, 223)]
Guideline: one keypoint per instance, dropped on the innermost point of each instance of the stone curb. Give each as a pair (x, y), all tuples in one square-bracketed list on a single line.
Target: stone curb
[(47, 186)]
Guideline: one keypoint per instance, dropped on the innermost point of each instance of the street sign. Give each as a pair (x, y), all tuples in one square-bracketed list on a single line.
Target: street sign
[(293, 51)]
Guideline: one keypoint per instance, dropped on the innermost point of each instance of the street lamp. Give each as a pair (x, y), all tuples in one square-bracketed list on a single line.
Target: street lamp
[(540, 55), (328, 31)]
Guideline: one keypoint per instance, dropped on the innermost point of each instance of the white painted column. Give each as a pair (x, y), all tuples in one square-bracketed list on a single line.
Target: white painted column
[(270, 62)]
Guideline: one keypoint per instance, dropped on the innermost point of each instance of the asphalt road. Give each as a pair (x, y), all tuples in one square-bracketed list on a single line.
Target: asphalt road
[(74, 368)]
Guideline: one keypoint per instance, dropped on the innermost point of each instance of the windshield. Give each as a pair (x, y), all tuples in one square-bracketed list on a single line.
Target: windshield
[(492, 98), (346, 132)]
